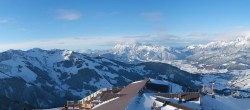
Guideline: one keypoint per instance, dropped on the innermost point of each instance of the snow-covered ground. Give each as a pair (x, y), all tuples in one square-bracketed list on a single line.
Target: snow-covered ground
[(224, 103), (146, 102), (191, 104), (208, 103)]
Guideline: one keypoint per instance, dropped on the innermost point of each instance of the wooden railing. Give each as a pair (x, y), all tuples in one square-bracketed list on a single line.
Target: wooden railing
[(72, 105), (87, 102)]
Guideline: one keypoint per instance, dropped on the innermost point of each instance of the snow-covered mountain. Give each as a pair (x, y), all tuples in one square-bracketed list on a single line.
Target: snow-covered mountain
[(47, 78), (214, 57), (230, 55), (134, 52)]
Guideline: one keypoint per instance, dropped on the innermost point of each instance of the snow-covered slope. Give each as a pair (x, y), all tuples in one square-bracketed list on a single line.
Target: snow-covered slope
[(47, 78), (224, 103)]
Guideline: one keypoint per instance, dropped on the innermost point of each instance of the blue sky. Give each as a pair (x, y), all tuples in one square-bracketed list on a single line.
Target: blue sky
[(100, 24)]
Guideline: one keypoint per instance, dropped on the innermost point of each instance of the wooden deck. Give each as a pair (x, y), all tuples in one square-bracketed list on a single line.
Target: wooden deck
[(108, 96)]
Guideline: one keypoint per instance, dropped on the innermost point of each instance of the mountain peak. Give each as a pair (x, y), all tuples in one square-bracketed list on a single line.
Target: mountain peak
[(240, 42), (135, 51)]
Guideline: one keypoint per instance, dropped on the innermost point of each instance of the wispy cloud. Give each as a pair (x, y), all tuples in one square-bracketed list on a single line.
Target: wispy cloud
[(74, 43), (99, 42), (203, 38), (66, 43), (2, 20), (230, 35), (160, 39), (105, 14), (25, 30), (198, 34), (107, 42), (153, 16), (68, 14)]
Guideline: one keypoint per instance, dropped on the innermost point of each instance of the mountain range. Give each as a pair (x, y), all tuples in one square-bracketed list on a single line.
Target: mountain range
[(48, 78), (220, 55), (39, 78)]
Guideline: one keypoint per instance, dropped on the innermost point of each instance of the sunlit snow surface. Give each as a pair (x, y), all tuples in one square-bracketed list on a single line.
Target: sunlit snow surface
[(224, 103)]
